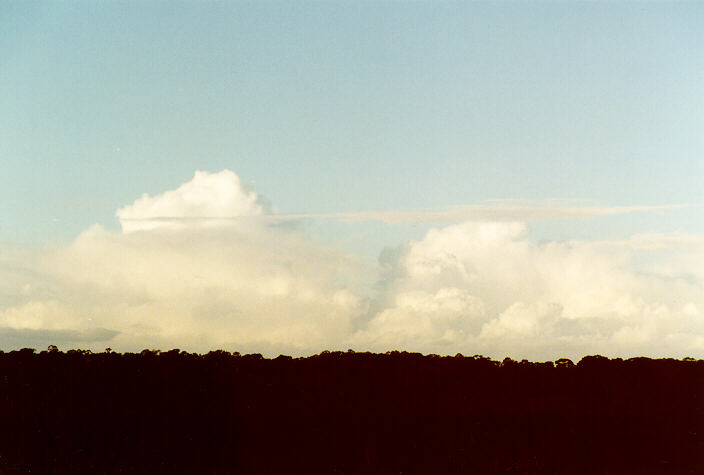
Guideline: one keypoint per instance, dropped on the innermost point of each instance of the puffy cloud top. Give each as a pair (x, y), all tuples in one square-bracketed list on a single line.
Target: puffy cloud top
[(483, 287), (205, 200)]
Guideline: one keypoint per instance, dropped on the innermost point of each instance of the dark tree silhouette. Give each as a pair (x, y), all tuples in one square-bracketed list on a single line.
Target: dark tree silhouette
[(79, 412)]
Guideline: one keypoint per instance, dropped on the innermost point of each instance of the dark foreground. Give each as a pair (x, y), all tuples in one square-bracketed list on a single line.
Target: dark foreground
[(346, 413)]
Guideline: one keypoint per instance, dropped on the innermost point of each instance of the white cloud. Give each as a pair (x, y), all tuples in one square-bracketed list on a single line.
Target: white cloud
[(205, 200), (203, 267), (538, 300), (511, 211), (423, 321), (220, 198), (196, 286), (523, 321)]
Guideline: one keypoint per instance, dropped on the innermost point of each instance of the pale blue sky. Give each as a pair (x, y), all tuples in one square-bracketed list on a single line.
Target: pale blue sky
[(348, 106)]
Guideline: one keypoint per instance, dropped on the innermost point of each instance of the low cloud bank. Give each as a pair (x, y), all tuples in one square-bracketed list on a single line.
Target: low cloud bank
[(184, 273), (484, 287)]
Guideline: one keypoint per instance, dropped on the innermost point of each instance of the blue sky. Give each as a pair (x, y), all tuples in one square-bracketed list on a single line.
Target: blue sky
[(324, 108), (329, 107)]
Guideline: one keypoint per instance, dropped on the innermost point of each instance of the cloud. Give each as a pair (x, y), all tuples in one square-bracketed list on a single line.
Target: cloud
[(484, 288), (487, 213), (43, 338), (206, 199), (203, 288), (424, 320), (197, 286), (206, 266), (215, 199), (455, 214)]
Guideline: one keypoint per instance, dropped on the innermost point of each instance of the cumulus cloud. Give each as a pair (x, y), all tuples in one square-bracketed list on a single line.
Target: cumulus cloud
[(197, 285), (208, 199), (424, 320), (484, 288), (203, 266)]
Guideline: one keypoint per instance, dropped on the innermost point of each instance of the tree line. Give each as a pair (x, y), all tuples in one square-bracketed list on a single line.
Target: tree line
[(78, 412)]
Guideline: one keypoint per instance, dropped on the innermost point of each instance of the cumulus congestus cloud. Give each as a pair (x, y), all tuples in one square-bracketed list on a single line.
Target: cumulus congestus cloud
[(190, 283), (483, 287), (205, 266), (209, 199)]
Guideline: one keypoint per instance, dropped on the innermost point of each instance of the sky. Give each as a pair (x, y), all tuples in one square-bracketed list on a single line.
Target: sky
[(515, 179)]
